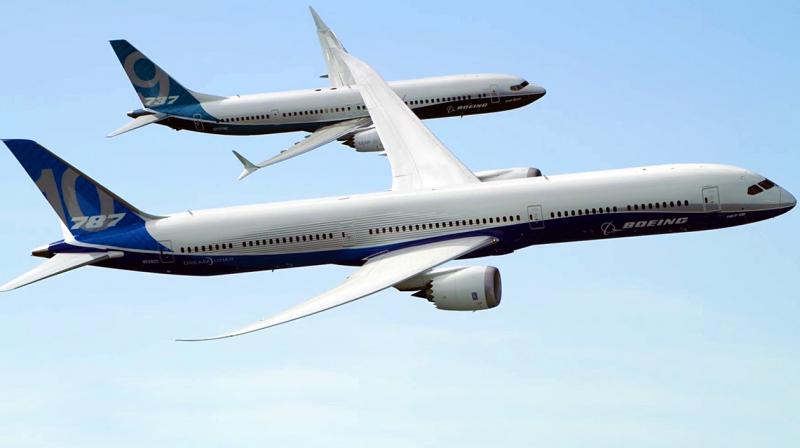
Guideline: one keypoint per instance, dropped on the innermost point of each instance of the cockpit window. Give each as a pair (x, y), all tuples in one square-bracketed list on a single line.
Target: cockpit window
[(754, 189), (766, 184), (520, 86)]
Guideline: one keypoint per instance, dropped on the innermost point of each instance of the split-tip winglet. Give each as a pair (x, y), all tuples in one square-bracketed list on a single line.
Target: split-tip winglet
[(249, 167)]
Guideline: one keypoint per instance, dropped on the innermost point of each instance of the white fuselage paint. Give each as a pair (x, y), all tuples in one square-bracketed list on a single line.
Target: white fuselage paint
[(313, 108), (357, 223)]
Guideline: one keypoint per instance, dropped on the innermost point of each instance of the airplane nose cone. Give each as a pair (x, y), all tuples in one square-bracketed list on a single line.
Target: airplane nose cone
[(533, 92), (787, 199), (537, 90)]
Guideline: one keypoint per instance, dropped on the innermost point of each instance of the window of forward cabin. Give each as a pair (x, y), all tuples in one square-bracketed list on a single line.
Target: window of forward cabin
[(766, 184), (753, 190)]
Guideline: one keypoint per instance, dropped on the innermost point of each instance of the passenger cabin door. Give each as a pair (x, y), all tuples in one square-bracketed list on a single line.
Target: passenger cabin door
[(493, 94), (198, 124), (165, 253), (535, 217), (711, 199), (274, 114), (346, 233)]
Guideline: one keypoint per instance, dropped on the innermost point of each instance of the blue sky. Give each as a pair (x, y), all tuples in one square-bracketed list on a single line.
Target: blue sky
[(678, 340)]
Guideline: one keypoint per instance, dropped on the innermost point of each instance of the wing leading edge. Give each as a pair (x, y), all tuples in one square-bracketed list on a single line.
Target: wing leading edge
[(378, 273), (312, 141), (338, 74), (418, 159)]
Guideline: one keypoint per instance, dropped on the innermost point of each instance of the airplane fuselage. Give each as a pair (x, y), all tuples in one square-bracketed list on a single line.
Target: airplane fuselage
[(309, 110), (348, 230)]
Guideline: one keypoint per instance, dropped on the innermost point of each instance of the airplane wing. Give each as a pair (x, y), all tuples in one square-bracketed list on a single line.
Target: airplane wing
[(314, 140), (142, 120), (58, 264), (418, 159), (338, 75), (378, 273)]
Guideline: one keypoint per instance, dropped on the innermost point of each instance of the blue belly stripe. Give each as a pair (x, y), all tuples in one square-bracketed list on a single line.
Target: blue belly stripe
[(511, 238)]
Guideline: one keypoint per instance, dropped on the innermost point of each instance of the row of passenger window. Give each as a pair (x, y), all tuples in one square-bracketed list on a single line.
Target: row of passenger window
[(658, 205), (322, 111), (444, 224), (581, 212), (246, 118), (634, 207), (290, 114), (442, 100), (329, 236), (261, 242), (344, 109), (205, 248)]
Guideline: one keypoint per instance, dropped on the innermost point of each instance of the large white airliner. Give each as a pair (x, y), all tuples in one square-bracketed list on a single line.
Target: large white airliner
[(332, 113), (437, 211)]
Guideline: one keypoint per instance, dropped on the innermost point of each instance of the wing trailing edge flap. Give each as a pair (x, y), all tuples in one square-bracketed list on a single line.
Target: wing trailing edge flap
[(58, 264), (378, 273), (320, 137)]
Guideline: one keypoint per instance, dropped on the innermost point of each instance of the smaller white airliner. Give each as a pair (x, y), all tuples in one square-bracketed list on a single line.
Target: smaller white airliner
[(333, 113), (437, 211)]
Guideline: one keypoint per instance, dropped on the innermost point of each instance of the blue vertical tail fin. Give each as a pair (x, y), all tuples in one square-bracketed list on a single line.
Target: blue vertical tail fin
[(157, 90), (88, 210)]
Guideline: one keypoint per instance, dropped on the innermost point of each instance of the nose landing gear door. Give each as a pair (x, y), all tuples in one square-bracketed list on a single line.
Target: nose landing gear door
[(711, 199)]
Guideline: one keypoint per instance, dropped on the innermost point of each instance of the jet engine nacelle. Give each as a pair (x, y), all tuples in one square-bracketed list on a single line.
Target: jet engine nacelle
[(461, 288), (507, 173), (365, 141), (369, 141)]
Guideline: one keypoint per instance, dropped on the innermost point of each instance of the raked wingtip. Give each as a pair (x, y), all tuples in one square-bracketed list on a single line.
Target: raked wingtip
[(212, 338)]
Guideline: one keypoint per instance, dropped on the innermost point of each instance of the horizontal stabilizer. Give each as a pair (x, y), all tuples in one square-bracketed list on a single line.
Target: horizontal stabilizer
[(60, 263), (320, 137), (138, 122)]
